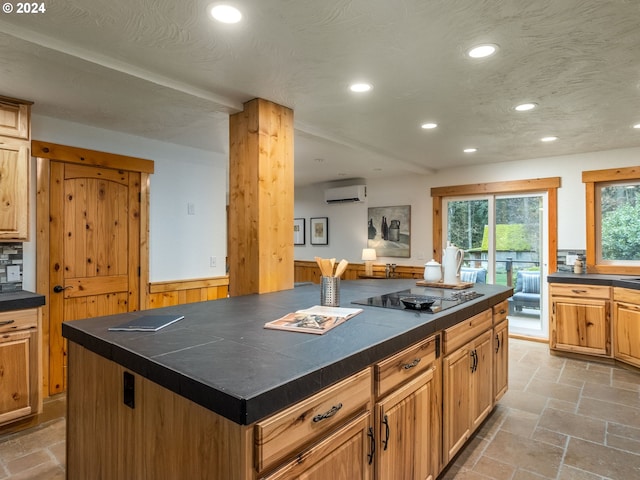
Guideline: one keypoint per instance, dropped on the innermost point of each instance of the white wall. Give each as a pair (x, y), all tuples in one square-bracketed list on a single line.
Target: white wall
[(348, 222), (180, 245)]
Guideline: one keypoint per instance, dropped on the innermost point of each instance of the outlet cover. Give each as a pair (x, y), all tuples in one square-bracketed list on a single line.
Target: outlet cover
[(13, 273)]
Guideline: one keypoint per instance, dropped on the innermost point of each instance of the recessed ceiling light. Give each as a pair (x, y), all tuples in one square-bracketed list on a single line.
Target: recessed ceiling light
[(225, 13), (360, 87), (637, 125), (524, 107), (482, 51), (548, 139), (470, 150), (428, 126)]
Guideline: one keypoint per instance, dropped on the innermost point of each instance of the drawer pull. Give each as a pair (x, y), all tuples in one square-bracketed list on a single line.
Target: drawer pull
[(575, 290), (328, 414), (502, 311), (408, 366), (7, 322)]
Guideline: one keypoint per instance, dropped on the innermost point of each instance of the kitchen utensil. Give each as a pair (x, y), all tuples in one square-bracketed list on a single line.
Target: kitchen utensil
[(342, 266), (330, 291)]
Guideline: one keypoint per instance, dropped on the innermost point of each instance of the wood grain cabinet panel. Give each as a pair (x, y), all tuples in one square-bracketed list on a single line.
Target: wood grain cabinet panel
[(501, 361), (468, 395), (580, 319), (626, 326)]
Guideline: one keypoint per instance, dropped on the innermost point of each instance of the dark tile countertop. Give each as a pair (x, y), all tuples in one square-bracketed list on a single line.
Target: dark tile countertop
[(221, 356), (20, 300), (626, 281)]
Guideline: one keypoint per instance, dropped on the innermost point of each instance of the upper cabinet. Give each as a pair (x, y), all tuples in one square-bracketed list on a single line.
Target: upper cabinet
[(15, 142)]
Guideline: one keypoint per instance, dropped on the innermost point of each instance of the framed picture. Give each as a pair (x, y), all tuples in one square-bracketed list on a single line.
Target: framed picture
[(389, 231), (319, 230), (298, 231)]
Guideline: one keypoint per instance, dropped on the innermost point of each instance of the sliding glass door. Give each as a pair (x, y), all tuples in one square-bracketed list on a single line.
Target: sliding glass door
[(504, 243)]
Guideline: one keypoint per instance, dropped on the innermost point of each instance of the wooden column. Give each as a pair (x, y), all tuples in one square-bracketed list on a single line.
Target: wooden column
[(260, 199)]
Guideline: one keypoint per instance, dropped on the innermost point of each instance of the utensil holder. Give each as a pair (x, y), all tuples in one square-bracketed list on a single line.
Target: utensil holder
[(330, 291)]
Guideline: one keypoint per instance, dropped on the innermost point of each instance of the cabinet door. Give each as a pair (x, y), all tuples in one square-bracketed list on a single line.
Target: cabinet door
[(627, 333), (405, 435), (15, 379), (456, 422), (343, 455), (501, 359), (581, 325), (14, 120), (14, 191), (482, 379)]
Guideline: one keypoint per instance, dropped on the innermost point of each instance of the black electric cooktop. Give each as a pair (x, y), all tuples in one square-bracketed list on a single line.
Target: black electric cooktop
[(416, 297)]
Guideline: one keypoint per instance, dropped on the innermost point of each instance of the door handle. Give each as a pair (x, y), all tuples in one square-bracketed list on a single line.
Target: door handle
[(60, 288)]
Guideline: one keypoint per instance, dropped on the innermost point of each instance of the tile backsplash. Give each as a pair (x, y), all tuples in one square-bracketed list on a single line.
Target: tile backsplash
[(10, 267)]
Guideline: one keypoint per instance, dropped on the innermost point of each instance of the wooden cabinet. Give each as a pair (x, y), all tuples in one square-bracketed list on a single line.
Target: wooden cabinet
[(626, 325), (14, 169), (467, 370), (580, 319), (500, 349), (19, 365), (345, 454), (286, 434), (407, 416)]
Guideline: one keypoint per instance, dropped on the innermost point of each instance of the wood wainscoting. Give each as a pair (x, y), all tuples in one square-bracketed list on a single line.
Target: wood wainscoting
[(308, 271), (179, 292)]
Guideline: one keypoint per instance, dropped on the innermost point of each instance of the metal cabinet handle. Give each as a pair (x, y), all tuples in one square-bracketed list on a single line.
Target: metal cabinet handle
[(474, 358), (385, 422), (498, 340), (408, 366), (7, 322), (330, 413), (372, 442), (575, 290)]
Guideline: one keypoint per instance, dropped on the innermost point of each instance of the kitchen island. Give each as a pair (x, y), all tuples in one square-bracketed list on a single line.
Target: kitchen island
[(201, 397)]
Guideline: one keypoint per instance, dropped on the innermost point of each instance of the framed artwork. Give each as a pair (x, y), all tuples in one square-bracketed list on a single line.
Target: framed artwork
[(319, 230), (389, 231), (298, 231)]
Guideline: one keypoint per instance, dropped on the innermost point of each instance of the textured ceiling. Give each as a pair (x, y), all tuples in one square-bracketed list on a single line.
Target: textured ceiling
[(162, 69)]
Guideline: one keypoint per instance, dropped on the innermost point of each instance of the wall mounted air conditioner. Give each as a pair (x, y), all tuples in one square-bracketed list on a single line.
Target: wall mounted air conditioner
[(352, 193)]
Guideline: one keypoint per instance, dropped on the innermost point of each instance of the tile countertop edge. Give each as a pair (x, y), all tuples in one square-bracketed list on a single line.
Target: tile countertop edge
[(246, 411), (20, 300)]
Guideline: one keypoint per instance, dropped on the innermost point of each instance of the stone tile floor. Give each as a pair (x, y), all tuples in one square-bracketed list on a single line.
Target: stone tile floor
[(561, 419)]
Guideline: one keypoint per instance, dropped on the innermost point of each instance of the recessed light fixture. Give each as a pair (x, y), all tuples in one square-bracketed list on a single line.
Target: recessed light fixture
[(525, 107), (360, 87), (225, 13), (470, 150), (482, 51), (548, 139), (428, 126)]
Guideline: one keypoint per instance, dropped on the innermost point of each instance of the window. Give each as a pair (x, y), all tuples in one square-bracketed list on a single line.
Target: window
[(613, 219)]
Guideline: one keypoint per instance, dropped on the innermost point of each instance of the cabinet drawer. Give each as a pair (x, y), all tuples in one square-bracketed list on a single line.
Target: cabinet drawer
[(580, 291), (404, 365), (286, 432), (458, 335), (626, 295), (18, 319), (500, 312)]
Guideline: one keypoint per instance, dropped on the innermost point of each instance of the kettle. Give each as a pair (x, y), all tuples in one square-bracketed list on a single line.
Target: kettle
[(451, 262), (432, 271)]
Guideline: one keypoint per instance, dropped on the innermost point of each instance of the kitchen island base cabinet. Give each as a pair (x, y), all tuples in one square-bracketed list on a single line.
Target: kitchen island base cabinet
[(468, 395), (501, 362), (164, 437)]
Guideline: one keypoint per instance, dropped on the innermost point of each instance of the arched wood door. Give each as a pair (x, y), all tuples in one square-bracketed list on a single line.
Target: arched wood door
[(95, 259)]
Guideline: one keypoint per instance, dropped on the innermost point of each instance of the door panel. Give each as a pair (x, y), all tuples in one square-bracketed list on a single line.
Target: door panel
[(94, 250)]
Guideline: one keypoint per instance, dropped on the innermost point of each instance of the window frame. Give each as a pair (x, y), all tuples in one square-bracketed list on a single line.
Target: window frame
[(592, 180)]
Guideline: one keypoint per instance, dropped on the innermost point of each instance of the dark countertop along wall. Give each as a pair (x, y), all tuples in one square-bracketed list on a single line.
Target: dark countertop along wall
[(20, 300), (221, 356), (625, 281)]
